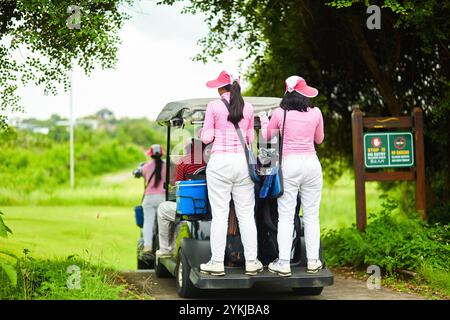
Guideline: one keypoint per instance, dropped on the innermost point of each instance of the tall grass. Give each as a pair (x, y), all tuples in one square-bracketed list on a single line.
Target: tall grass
[(54, 280), (439, 279)]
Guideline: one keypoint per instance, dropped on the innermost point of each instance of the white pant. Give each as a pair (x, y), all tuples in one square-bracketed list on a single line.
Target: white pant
[(167, 212), (150, 204), (227, 177), (300, 173)]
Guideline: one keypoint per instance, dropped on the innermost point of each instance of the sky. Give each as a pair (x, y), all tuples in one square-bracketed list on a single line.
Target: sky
[(154, 67)]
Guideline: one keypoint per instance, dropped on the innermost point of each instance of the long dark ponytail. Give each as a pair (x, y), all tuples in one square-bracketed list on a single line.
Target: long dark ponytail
[(295, 101), (236, 103), (158, 169)]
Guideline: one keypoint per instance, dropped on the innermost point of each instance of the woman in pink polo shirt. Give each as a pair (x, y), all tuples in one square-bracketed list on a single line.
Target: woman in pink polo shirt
[(153, 172), (227, 173), (301, 169)]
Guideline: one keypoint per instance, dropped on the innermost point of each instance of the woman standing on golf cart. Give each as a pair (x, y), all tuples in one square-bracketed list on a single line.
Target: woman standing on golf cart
[(302, 172), (153, 173), (227, 173)]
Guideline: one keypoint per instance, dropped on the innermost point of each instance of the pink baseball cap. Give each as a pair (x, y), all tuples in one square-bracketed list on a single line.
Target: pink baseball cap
[(154, 150), (223, 80), (298, 84)]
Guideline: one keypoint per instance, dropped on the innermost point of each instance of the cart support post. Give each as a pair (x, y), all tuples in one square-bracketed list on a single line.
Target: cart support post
[(166, 184)]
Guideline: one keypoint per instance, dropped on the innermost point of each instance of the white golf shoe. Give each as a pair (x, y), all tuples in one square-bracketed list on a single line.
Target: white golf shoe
[(314, 266), (163, 255), (252, 268), (283, 270), (213, 268)]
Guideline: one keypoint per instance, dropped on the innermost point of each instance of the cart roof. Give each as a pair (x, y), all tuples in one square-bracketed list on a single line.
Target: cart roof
[(177, 108)]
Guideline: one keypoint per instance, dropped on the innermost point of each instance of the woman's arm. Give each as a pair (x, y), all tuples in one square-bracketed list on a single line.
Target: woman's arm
[(207, 132), (269, 128), (250, 129), (319, 134)]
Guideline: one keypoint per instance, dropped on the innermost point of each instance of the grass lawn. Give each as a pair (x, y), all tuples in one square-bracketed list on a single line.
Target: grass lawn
[(337, 207), (101, 235), (96, 222), (119, 189)]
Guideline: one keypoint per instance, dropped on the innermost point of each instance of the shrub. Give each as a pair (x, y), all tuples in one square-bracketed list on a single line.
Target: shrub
[(29, 162), (8, 261), (390, 242), (440, 213), (48, 279)]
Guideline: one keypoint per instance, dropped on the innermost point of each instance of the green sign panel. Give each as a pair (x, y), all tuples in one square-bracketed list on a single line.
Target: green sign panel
[(388, 149)]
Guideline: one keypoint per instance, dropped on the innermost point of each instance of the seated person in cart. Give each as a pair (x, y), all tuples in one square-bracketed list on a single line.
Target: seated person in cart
[(189, 164)]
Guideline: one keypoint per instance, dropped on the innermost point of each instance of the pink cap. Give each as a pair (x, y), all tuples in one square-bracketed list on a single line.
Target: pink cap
[(298, 84), (154, 150), (223, 80)]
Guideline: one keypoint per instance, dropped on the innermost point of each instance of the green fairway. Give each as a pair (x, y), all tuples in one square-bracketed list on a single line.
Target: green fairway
[(103, 235), (337, 208)]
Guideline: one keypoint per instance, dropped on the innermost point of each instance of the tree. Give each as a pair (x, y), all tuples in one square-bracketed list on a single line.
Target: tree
[(39, 43), (385, 72)]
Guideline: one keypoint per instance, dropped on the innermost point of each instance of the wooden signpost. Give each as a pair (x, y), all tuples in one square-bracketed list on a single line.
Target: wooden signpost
[(388, 142)]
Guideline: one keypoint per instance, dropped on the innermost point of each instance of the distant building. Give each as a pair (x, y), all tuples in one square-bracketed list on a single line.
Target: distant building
[(91, 123), (41, 130), (22, 124), (105, 114)]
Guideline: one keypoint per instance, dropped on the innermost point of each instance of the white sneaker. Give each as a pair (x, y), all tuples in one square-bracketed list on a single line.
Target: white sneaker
[(314, 266), (147, 250), (283, 270), (252, 268), (213, 268), (162, 255)]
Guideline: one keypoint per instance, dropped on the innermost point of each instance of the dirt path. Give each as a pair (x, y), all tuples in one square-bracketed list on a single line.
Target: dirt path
[(146, 283), (117, 177)]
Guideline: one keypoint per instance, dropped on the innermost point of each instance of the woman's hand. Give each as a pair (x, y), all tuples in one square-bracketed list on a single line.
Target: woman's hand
[(262, 114)]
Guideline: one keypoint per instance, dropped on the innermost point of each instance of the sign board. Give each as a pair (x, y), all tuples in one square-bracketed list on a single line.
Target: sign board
[(388, 149)]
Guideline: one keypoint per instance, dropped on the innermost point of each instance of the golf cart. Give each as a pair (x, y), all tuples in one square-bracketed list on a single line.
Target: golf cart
[(191, 234)]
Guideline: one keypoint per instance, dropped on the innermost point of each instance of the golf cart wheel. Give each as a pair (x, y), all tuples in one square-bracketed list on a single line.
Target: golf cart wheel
[(161, 271), (312, 291), (185, 288)]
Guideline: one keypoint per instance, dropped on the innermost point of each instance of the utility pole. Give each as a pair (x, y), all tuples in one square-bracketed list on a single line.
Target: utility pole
[(71, 125)]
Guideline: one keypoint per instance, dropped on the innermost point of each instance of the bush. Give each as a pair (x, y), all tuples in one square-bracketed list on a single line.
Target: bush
[(50, 279), (440, 213), (390, 242), (8, 261), (31, 161)]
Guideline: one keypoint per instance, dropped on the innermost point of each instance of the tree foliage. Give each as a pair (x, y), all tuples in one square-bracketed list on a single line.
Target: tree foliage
[(37, 46), (385, 72)]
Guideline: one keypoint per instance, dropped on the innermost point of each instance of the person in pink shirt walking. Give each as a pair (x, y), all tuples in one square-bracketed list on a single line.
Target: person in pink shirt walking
[(302, 171), (227, 173), (153, 172)]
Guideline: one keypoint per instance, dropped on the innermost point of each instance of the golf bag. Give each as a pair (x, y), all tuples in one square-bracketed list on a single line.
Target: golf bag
[(267, 226), (266, 215)]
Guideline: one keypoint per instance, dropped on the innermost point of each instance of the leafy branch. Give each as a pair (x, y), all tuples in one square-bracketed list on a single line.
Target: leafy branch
[(8, 261)]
